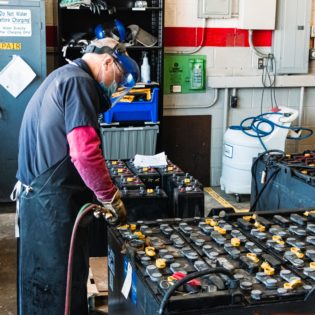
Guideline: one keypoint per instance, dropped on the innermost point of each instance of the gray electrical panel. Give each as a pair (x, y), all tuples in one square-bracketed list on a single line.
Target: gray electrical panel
[(214, 8), (22, 45), (292, 35)]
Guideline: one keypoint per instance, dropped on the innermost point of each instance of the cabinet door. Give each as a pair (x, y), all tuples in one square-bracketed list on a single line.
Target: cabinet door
[(26, 40)]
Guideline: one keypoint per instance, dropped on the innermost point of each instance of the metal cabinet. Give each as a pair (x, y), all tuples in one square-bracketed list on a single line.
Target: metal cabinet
[(22, 33)]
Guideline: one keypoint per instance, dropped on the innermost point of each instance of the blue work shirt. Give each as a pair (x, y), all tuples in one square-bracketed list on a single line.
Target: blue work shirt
[(68, 98)]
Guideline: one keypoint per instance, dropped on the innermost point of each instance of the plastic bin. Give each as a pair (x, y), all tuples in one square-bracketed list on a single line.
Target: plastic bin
[(135, 111), (125, 143)]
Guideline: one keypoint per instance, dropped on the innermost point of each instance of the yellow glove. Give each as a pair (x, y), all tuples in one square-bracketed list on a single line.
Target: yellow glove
[(117, 208)]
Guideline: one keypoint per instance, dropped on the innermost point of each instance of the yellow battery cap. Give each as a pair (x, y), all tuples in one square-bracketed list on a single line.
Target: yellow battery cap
[(150, 191), (131, 179), (123, 227), (260, 227), (114, 162), (133, 227), (139, 235), (235, 241), (160, 263), (170, 168), (145, 169), (247, 217), (120, 170), (150, 251), (297, 252), (211, 222), (268, 270), (295, 283), (278, 239), (187, 181), (253, 257), (220, 230), (312, 265)]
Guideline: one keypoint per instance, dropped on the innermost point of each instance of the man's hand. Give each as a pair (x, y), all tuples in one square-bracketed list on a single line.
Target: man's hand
[(117, 208)]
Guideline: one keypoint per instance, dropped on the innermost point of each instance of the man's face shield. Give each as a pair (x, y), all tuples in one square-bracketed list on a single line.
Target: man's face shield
[(128, 67)]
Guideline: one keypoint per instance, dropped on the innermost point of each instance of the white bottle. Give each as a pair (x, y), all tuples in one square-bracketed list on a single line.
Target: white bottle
[(145, 69)]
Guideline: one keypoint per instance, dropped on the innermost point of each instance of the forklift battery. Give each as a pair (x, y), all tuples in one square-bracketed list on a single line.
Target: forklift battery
[(115, 164), (145, 204), (230, 269), (171, 170), (188, 201), (281, 183), (149, 176), (129, 182), (185, 196), (120, 171)]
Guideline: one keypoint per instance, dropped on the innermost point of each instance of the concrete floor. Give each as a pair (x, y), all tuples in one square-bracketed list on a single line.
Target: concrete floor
[(8, 247)]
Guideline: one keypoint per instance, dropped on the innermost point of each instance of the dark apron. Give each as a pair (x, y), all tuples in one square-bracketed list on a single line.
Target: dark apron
[(47, 215)]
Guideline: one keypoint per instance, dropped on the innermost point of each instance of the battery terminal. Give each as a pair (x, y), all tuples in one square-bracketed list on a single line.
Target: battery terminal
[(253, 257), (268, 270), (295, 283), (297, 252), (235, 241), (222, 231)]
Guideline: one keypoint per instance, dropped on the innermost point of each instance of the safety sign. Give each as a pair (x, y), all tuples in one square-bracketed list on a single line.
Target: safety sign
[(15, 22)]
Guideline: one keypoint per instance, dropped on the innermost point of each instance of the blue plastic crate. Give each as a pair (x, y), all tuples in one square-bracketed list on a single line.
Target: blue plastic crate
[(135, 111)]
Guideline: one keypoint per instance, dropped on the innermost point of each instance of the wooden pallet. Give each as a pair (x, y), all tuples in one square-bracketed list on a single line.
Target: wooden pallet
[(97, 285)]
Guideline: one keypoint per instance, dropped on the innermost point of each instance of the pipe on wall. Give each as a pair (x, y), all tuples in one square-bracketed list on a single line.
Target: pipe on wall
[(213, 102)]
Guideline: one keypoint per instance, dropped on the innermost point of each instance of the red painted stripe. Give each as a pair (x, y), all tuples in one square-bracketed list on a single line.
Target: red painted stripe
[(219, 37), (191, 37), (51, 36)]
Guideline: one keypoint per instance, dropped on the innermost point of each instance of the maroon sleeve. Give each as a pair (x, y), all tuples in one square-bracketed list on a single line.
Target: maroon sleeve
[(86, 155)]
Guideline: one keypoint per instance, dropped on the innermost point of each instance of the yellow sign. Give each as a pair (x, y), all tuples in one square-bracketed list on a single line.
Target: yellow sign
[(10, 46)]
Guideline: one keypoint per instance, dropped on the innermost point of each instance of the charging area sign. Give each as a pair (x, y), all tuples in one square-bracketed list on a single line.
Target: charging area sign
[(15, 23)]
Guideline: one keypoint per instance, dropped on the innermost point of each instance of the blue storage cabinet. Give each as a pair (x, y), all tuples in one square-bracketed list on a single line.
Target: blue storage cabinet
[(29, 42), (134, 111)]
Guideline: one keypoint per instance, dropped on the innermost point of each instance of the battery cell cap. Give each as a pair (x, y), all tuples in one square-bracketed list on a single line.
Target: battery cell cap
[(150, 251), (160, 263), (235, 241), (295, 283), (312, 265), (253, 257)]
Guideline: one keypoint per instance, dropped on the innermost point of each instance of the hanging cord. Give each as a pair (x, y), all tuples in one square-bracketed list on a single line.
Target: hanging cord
[(86, 209), (268, 163), (189, 277), (253, 129)]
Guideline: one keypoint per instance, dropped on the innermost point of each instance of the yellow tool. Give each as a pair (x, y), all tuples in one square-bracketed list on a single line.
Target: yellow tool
[(253, 257), (235, 241), (297, 252), (150, 251), (295, 283), (268, 270), (160, 263)]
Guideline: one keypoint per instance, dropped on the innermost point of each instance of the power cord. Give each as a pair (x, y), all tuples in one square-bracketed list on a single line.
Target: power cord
[(268, 157), (189, 277), (85, 210)]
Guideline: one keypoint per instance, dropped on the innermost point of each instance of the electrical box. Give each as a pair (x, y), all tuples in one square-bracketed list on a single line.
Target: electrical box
[(292, 35), (22, 34), (257, 14), (214, 8)]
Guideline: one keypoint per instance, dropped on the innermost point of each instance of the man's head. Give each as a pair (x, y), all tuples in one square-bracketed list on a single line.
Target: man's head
[(110, 64)]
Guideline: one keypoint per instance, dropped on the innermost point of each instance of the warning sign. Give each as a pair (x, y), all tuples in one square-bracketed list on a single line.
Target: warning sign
[(15, 23)]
